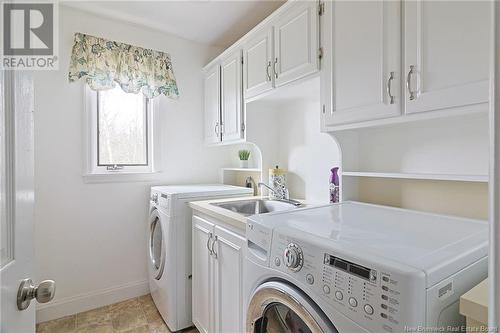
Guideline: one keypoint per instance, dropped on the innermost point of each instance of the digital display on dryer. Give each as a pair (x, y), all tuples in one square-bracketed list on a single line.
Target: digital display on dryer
[(359, 271), (341, 264), (348, 266)]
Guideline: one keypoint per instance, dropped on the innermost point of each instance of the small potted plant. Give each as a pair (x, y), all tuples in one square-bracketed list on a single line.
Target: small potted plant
[(244, 155)]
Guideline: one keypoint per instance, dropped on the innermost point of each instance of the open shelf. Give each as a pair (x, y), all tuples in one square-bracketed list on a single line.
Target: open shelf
[(242, 169), (460, 178)]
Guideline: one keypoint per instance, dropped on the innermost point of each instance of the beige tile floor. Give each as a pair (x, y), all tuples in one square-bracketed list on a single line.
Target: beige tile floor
[(136, 315)]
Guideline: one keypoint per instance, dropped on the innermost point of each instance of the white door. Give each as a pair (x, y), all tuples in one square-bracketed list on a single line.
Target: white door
[(212, 105), (257, 64), (361, 61), (447, 43), (228, 249), (231, 94), (202, 274), (296, 41), (16, 203)]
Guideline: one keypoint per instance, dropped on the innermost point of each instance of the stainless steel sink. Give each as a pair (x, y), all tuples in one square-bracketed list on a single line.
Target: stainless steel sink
[(255, 206)]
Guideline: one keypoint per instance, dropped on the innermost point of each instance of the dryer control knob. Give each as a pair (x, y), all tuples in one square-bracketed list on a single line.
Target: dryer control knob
[(293, 257)]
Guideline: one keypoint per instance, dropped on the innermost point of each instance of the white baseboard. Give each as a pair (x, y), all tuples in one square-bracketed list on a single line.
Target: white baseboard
[(84, 302)]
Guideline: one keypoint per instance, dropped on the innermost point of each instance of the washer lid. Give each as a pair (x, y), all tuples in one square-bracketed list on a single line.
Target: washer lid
[(436, 244), (200, 190)]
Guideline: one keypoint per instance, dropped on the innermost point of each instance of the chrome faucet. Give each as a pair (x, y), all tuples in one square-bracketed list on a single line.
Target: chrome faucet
[(287, 197), (250, 183)]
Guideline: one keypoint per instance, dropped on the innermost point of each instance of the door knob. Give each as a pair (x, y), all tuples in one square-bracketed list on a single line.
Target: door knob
[(43, 293)]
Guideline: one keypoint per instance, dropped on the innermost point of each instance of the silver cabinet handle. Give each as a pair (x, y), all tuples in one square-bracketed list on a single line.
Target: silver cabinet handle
[(208, 244), (217, 128), (413, 95), (389, 81), (268, 68), (213, 244), (274, 68)]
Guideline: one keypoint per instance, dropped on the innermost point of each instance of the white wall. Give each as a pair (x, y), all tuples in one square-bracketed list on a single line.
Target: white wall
[(307, 153), (447, 146), (91, 238), (286, 128)]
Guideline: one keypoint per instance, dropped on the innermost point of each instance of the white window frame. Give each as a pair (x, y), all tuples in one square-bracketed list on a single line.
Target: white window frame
[(95, 173)]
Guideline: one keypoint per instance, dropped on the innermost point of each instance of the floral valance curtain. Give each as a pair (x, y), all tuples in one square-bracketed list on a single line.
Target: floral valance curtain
[(103, 62)]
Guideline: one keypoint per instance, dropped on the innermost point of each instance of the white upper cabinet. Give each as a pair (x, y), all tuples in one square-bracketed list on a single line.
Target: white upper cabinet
[(231, 97), (224, 100), (296, 41), (257, 63), (447, 43), (361, 64), (212, 105), (284, 50)]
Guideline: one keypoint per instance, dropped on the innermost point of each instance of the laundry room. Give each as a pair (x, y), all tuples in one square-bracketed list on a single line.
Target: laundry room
[(249, 166)]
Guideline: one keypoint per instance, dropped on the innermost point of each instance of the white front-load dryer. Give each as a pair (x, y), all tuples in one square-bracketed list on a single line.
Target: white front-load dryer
[(169, 246), (159, 244), (275, 302), (355, 267)]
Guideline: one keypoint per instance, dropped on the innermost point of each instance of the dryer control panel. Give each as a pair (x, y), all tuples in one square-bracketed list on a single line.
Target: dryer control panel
[(371, 295)]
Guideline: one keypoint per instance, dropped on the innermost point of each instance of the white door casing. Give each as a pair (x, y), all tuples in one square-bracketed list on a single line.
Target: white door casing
[(231, 97), (494, 179), (448, 44), (296, 40), (16, 197), (361, 44)]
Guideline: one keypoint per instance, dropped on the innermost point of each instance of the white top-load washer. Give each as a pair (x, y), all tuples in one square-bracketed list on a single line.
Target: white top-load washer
[(355, 267), (169, 246)]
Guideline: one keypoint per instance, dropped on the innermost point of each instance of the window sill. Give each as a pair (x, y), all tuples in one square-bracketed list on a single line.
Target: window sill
[(120, 177)]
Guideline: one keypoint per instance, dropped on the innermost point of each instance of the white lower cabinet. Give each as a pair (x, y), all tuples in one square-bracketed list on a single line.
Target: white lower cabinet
[(218, 260), (228, 281), (202, 274)]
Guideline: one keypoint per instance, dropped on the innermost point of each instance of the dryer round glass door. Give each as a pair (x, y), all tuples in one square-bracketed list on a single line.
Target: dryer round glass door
[(156, 245), (280, 308)]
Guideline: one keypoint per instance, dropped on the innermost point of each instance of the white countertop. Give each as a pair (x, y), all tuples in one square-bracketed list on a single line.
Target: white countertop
[(474, 303)]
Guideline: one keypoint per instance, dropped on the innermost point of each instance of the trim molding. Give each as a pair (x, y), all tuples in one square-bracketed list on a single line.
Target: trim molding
[(91, 300)]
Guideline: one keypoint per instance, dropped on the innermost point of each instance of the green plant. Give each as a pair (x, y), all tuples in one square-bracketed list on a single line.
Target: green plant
[(244, 154)]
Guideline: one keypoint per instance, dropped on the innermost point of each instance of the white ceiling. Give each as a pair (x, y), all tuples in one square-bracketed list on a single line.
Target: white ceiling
[(216, 23)]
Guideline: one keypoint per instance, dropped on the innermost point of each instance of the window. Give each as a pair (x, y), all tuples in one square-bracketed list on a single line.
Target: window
[(120, 133)]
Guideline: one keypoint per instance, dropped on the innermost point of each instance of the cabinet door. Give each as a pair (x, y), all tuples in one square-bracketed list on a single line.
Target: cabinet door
[(296, 42), (202, 275), (447, 42), (361, 59), (212, 105), (231, 85), (257, 64), (229, 281)]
